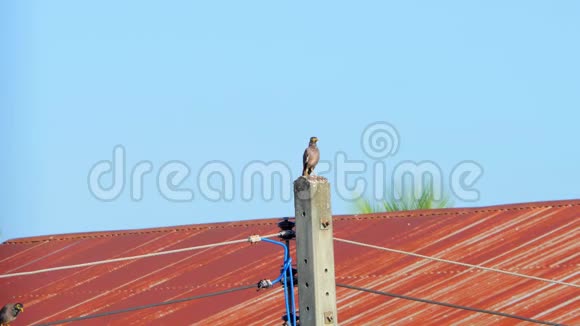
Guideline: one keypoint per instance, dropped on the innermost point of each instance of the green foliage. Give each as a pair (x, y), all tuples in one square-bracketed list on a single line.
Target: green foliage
[(407, 202)]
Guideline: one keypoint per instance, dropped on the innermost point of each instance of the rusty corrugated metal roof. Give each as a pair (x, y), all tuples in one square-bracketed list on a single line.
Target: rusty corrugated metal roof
[(539, 239)]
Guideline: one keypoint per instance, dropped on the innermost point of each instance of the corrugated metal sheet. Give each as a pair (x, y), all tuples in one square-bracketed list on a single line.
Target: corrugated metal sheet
[(539, 239)]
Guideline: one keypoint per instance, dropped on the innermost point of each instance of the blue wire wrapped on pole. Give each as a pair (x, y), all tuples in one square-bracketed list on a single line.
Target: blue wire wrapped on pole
[(292, 291), (288, 279)]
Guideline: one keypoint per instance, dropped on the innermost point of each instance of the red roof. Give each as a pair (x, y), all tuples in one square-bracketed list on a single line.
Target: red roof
[(539, 239)]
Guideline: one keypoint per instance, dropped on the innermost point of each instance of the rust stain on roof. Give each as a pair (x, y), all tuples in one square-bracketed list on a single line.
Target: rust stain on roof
[(539, 239)]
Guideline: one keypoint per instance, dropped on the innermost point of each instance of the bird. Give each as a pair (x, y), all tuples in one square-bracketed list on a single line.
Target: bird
[(9, 312), (310, 158)]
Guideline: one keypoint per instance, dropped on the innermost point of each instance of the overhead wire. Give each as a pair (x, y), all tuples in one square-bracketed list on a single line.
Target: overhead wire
[(120, 311), (458, 263), (152, 254), (450, 305)]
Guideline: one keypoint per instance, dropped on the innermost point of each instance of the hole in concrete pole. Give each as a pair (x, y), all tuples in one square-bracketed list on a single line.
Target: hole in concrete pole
[(327, 294), (303, 213), (305, 261), (326, 270), (306, 284), (307, 308)]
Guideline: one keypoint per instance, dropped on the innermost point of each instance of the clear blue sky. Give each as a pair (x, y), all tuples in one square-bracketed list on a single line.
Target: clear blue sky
[(495, 82)]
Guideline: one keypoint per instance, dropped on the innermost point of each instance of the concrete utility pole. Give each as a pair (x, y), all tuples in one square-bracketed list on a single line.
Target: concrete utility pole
[(315, 252)]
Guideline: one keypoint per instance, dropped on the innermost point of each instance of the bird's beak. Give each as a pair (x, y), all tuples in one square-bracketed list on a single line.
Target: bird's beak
[(21, 309)]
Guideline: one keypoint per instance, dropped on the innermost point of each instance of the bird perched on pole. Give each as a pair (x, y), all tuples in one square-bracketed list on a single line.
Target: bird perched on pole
[(9, 312), (311, 157)]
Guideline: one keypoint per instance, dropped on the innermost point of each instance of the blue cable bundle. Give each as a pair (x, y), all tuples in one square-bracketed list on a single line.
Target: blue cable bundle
[(288, 279)]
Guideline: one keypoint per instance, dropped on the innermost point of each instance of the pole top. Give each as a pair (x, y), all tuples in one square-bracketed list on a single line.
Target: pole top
[(310, 179)]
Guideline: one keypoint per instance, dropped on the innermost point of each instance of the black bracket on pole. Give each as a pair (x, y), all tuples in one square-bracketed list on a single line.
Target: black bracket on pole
[(287, 233)]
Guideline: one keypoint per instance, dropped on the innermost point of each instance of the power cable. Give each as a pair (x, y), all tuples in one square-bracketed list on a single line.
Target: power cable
[(458, 263), (450, 305), (121, 311), (152, 254)]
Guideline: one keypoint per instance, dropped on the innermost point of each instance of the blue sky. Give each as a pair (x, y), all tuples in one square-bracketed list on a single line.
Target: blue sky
[(494, 82)]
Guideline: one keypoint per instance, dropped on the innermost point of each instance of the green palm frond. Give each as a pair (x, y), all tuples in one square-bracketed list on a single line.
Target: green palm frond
[(408, 202)]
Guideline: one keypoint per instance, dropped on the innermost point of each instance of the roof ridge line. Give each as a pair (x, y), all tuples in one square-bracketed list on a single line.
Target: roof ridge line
[(107, 234), (447, 211), (272, 221)]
